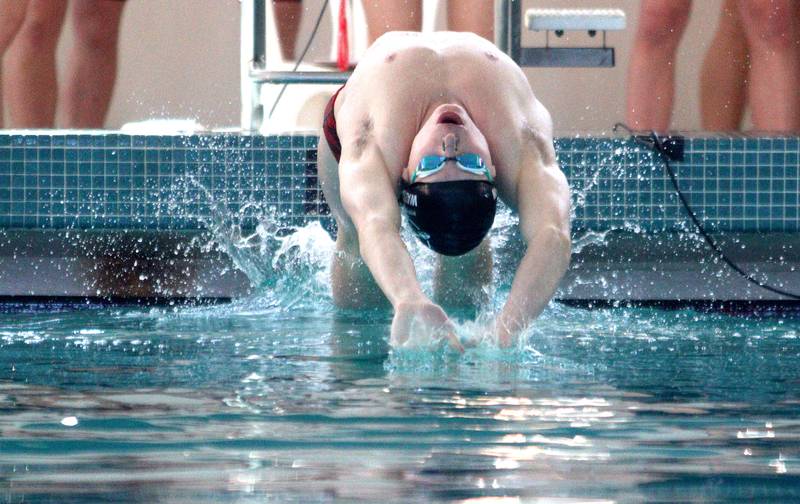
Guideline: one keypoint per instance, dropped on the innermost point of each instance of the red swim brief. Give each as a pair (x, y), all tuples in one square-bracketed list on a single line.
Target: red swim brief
[(329, 127)]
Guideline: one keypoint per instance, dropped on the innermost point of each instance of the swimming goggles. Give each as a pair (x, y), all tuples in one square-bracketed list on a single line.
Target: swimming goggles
[(470, 163)]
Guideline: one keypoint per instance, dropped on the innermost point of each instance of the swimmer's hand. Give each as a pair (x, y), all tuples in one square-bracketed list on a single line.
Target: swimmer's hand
[(422, 318), (504, 334)]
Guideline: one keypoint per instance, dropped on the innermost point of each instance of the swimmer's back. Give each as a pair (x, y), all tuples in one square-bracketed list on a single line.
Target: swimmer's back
[(435, 66)]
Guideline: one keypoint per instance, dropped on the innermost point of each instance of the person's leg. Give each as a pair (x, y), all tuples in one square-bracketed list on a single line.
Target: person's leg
[(723, 81), (771, 29), (476, 16), (460, 281), (29, 75), (651, 76), (392, 15), (288, 14), (352, 284), (89, 85), (12, 13)]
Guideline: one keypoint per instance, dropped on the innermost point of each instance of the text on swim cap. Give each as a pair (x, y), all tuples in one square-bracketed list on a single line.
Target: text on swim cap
[(409, 199)]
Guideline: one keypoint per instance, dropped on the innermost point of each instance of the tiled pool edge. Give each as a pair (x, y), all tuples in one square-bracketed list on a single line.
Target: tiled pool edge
[(116, 181), (104, 265)]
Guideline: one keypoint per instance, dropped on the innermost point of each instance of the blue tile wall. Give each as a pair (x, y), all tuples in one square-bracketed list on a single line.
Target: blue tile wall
[(102, 181), (732, 184), (116, 181)]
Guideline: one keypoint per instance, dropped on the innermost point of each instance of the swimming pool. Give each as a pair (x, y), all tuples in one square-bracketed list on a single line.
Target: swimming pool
[(290, 401), (278, 396)]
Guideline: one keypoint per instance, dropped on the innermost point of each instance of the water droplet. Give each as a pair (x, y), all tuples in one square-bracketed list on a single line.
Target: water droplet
[(69, 421)]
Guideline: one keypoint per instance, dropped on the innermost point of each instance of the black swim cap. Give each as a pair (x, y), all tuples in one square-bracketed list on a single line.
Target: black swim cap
[(450, 218)]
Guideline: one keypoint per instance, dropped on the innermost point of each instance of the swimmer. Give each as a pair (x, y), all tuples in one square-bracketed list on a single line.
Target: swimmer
[(437, 126)]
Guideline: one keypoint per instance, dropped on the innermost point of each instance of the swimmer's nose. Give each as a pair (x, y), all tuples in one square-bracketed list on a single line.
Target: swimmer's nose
[(450, 144)]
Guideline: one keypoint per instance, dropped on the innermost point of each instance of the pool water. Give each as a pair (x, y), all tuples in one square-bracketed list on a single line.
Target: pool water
[(255, 400), (282, 397)]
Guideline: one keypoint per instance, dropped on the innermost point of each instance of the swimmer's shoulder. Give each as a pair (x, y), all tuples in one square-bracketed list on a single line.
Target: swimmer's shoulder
[(394, 36), (392, 42), (396, 56), (441, 42), (436, 37)]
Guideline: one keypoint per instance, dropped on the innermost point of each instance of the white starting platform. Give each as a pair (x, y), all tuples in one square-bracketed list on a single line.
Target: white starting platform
[(590, 20), (508, 22)]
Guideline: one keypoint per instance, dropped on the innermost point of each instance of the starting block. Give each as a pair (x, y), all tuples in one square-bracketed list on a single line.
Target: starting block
[(591, 20), (557, 21)]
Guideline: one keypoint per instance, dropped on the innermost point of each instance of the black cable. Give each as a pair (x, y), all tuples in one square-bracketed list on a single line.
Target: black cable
[(302, 55), (658, 146)]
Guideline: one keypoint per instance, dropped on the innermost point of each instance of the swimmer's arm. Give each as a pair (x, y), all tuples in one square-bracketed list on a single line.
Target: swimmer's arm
[(543, 203), (369, 199)]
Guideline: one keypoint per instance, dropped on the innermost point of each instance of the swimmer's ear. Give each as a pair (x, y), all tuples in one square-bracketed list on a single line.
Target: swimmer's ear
[(405, 178)]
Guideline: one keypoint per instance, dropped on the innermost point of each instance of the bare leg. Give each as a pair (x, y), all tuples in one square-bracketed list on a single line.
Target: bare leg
[(87, 92), (12, 13), (30, 66), (459, 281), (352, 284), (476, 16), (723, 81), (392, 15), (771, 29), (288, 14), (651, 76)]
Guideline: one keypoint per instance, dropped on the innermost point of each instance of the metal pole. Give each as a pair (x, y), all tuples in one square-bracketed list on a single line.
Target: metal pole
[(252, 55), (245, 54), (514, 30), (260, 33), (501, 25), (299, 77)]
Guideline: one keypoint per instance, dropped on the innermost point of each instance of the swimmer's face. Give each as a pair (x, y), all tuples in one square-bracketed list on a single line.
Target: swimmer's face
[(449, 131)]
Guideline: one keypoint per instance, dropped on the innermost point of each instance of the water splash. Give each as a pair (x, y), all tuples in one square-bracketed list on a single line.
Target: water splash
[(277, 249), (483, 361), (286, 264), (589, 238), (288, 267)]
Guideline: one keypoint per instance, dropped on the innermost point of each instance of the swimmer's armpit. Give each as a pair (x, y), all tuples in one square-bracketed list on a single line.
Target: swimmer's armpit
[(363, 137)]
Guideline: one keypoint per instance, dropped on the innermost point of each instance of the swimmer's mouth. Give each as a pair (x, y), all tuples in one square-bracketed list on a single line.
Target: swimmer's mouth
[(450, 118)]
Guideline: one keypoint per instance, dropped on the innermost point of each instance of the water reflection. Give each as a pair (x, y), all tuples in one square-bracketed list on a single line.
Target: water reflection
[(244, 401)]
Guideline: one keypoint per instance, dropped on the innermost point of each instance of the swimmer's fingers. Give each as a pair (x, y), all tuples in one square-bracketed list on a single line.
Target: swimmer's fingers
[(425, 319), (454, 342), (505, 337), (451, 337), (470, 341)]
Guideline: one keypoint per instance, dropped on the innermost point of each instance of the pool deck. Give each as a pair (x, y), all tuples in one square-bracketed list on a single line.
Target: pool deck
[(110, 216)]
